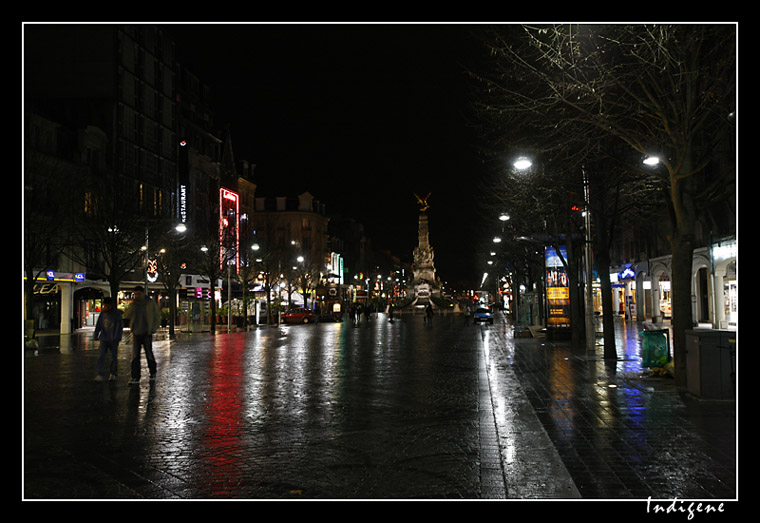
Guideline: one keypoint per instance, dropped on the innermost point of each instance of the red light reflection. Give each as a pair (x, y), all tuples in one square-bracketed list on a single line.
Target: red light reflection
[(223, 432)]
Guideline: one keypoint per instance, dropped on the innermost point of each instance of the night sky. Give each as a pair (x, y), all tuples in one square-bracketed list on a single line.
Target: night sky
[(360, 115)]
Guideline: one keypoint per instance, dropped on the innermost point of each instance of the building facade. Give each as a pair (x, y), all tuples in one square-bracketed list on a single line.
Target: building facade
[(641, 289), (106, 95), (294, 226)]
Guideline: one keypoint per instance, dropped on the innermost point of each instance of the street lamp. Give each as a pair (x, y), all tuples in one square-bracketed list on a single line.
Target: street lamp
[(170, 276), (651, 160), (522, 163)]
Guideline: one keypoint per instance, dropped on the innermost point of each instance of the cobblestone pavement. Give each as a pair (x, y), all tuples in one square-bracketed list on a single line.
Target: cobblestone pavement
[(377, 411), (619, 433)]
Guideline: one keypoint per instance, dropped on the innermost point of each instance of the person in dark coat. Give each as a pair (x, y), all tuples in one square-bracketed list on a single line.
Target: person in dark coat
[(144, 320), (429, 314), (108, 330)]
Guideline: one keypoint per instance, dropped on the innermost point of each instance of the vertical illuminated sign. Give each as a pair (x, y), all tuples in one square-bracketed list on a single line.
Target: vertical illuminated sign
[(183, 171), (229, 225), (557, 288), (336, 265), (183, 203)]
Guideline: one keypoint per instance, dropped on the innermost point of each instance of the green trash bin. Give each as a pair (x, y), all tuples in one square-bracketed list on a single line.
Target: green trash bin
[(655, 348)]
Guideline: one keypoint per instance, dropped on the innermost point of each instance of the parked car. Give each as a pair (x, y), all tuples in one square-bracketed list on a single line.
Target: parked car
[(299, 315), (482, 314)]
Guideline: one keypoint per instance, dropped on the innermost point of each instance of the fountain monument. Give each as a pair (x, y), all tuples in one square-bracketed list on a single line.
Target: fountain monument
[(424, 282)]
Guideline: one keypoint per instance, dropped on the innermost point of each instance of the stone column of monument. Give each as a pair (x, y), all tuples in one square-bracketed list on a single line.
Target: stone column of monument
[(424, 268)]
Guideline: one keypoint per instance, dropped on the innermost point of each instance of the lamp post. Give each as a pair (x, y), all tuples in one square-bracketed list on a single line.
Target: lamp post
[(255, 247), (301, 278), (167, 270), (181, 228), (229, 298), (147, 259), (590, 333), (496, 241), (522, 163)]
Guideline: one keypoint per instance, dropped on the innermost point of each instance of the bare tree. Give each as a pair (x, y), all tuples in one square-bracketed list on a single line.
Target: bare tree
[(210, 257), (269, 258), (172, 252), (248, 272), (665, 91), (110, 235), (48, 210), (306, 275), (540, 203)]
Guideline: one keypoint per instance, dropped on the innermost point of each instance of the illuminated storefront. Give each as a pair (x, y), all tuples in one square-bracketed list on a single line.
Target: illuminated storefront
[(723, 258), (195, 297), (714, 290), (65, 301), (624, 295)]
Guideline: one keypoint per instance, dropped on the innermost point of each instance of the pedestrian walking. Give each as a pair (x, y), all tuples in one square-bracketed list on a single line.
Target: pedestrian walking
[(467, 314), (144, 319), (429, 314), (390, 312), (108, 330)]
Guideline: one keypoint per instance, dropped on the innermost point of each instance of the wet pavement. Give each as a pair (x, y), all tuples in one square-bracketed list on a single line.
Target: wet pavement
[(376, 411)]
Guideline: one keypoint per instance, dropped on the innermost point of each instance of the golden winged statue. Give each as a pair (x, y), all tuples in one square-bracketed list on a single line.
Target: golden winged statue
[(424, 205)]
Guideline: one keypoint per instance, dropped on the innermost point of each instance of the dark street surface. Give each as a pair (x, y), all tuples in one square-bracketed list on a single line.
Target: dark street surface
[(376, 411)]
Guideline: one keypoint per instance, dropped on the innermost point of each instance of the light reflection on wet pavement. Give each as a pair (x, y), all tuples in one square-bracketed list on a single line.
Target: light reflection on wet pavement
[(376, 411)]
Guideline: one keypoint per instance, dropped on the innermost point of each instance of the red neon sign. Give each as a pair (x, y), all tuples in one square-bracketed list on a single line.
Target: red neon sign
[(229, 225)]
